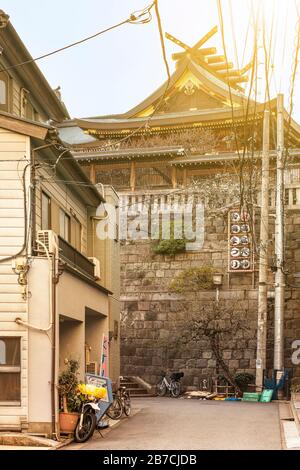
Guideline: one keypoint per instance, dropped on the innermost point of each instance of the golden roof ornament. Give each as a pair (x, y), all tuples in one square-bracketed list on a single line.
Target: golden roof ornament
[(208, 58)]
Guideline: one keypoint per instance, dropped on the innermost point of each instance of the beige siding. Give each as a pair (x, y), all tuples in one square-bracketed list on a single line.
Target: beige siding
[(61, 197), (16, 98), (107, 252), (15, 104), (13, 147)]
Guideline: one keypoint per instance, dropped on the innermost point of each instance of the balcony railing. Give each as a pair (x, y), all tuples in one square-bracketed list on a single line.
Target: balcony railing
[(76, 259), (291, 196)]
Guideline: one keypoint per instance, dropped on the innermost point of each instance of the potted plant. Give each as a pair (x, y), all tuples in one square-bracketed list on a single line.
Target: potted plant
[(70, 402)]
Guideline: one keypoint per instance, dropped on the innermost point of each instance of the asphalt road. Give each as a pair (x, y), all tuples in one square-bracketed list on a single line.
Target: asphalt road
[(181, 424)]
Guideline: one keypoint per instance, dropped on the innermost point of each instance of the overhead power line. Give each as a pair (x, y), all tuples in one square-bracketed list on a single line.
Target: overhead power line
[(160, 101), (138, 17)]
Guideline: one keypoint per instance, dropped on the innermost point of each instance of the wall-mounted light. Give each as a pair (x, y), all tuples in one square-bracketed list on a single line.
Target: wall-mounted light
[(217, 281)]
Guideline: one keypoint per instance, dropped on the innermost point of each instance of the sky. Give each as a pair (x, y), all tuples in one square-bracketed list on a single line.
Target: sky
[(114, 72)]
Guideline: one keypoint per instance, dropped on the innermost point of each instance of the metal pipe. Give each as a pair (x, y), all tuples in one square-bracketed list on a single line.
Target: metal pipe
[(279, 243), (263, 255), (54, 394)]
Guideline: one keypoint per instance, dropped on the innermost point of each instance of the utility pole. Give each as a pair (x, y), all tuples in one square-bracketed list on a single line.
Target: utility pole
[(279, 243), (263, 255)]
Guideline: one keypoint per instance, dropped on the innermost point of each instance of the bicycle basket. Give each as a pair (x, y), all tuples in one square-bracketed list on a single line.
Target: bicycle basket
[(177, 376)]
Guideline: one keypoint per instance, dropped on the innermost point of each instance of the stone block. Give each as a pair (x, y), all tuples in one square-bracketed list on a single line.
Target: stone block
[(150, 316), (160, 273), (161, 317), (202, 363), (249, 354), (207, 354), (232, 295), (227, 354), (157, 361), (211, 363), (244, 363), (233, 364), (237, 354)]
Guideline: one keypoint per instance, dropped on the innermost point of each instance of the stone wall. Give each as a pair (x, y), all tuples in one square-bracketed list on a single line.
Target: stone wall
[(151, 313)]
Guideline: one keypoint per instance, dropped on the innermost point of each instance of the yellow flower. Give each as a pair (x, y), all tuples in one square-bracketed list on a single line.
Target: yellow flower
[(92, 391)]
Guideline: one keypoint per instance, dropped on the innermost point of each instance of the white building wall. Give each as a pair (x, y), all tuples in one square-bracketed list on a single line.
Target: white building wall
[(14, 149), (40, 344)]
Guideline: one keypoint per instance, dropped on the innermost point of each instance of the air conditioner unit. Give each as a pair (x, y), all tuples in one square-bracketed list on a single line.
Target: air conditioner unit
[(97, 268), (50, 240), (92, 368)]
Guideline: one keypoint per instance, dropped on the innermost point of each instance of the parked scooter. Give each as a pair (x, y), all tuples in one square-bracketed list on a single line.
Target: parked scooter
[(96, 397), (87, 421)]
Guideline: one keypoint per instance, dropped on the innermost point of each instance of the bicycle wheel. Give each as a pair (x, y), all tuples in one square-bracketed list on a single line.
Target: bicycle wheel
[(126, 404), (175, 389), (161, 389), (88, 427), (116, 409)]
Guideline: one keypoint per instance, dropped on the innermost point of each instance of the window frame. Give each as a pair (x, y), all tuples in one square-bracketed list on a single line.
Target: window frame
[(6, 79), (67, 218), (77, 226), (45, 194), (16, 369)]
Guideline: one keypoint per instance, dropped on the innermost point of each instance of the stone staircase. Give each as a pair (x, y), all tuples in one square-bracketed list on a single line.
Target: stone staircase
[(137, 387)]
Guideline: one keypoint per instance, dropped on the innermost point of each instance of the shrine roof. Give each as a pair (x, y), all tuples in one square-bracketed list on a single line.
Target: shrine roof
[(204, 91), (129, 154)]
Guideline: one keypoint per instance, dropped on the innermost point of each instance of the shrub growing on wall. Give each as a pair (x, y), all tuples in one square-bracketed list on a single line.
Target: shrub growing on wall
[(169, 247), (172, 245), (193, 280)]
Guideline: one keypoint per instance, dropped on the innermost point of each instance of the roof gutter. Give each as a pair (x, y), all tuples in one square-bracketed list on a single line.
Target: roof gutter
[(68, 169)]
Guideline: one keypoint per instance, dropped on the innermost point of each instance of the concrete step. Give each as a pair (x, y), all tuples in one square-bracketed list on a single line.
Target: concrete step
[(130, 384), (127, 384), (135, 387)]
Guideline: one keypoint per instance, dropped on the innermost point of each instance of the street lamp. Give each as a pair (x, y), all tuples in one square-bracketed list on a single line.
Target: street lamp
[(217, 281)]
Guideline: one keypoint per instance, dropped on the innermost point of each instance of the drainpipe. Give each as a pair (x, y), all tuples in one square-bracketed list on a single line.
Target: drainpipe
[(53, 280), (54, 397)]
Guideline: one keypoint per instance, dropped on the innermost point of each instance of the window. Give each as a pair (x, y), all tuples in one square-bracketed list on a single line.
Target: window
[(46, 212), (2, 92), (4, 82), (76, 230), (64, 225), (10, 371)]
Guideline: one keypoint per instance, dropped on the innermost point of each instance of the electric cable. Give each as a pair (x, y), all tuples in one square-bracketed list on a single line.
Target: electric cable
[(21, 250), (146, 123), (138, 17)]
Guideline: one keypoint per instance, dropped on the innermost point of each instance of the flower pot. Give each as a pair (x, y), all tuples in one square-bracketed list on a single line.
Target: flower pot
[(67, 422)]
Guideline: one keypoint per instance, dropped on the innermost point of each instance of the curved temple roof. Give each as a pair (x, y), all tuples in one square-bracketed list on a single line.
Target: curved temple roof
[(203, 91)]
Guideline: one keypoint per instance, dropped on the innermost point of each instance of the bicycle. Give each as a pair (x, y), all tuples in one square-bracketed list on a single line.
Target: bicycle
[(121, 404), (173, 385)]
